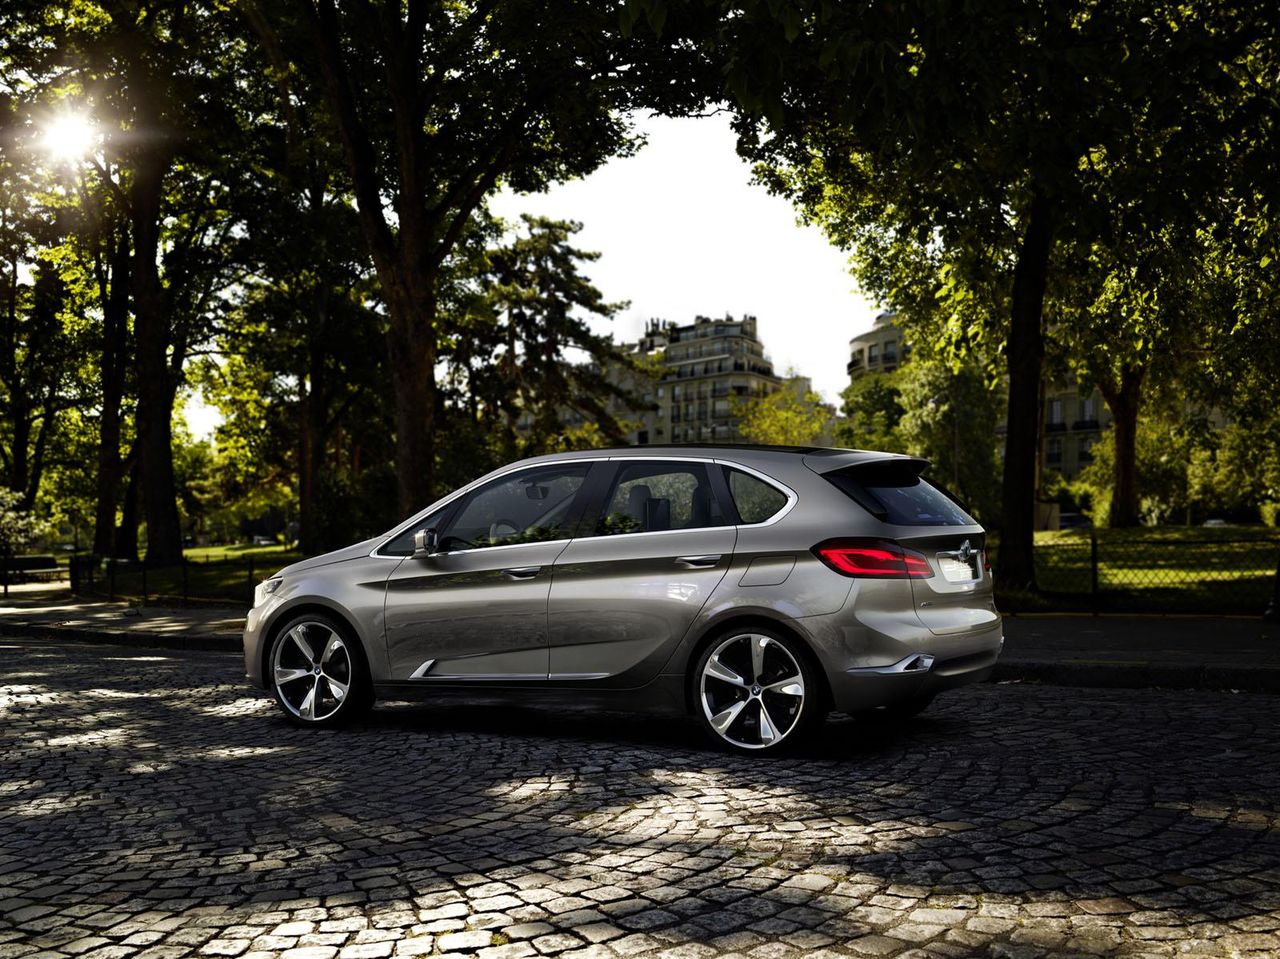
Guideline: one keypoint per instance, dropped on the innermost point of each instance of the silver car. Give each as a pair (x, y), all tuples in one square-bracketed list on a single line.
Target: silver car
[(756, 588)]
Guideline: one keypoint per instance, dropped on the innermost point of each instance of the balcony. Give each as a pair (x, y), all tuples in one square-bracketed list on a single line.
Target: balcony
[(1086, 425), (1055, 427)]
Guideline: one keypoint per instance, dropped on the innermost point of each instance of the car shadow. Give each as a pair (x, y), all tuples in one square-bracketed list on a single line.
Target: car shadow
[(158, 784)]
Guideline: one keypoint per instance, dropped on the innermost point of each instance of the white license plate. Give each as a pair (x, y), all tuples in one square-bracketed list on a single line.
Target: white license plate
[(955, 570)]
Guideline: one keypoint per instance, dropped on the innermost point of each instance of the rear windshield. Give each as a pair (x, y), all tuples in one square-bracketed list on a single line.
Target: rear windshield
[(896, 493)]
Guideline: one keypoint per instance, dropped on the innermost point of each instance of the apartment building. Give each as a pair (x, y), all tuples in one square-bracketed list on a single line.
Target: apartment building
[(880, 350), (701, 368), (1074, 419), (1073, 422)]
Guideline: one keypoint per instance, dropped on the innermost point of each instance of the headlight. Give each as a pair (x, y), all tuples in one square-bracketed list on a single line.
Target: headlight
[(265, 589)]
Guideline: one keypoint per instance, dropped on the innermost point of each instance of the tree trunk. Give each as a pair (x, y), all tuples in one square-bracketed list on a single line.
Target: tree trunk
[(126, 537), (312, 442), (156, 384), (1124, 399), (411, 348), (308, 538), (1015, 561), (114, 361)]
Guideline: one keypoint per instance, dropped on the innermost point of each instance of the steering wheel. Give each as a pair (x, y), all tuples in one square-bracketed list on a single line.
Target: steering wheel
[(502, 527)]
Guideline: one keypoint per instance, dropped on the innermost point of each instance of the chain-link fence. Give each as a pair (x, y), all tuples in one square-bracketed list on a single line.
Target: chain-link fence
[(1159, 573)]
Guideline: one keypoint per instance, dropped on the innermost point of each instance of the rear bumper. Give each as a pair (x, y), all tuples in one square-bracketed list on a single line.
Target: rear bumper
[(916, 676), (877, 660)]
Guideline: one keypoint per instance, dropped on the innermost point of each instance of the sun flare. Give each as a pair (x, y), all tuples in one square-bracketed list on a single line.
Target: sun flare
[(69, 138)]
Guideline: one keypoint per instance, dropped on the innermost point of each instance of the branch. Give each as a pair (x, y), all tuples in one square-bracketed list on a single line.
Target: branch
[(113, 186), (473, 197), (270, 41), (361, 159)]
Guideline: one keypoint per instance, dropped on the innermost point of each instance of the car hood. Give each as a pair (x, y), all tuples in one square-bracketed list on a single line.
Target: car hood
[(354, 551)]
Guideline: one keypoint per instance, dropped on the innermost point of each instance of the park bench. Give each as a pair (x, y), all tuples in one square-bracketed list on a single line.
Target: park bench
[(21, 568)]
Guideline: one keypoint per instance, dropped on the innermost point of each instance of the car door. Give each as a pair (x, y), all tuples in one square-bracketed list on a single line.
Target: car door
[(654, 542), (477, 608)]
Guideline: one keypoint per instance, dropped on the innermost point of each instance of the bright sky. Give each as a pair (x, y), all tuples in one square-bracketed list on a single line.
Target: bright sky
[(681, 232)]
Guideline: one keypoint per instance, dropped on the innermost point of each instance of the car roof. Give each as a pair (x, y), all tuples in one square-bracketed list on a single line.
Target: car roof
[(820, 459)]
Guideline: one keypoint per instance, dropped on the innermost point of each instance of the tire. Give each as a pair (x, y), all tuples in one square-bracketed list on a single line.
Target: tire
[(754, 691), (318, 672)]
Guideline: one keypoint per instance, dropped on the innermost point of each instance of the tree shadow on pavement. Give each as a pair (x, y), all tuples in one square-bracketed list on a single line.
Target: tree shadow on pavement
[(143, 787)]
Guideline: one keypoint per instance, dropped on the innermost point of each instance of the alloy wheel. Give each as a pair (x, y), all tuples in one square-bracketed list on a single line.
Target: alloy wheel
[(752, 690), (313, 671)]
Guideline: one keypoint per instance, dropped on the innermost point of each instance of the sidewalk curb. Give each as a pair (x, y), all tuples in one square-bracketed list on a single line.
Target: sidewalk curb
[(1139, 676), (140, 638)]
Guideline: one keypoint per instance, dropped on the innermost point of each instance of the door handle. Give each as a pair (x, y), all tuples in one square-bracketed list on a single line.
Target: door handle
[(522, 572), (698, 562)]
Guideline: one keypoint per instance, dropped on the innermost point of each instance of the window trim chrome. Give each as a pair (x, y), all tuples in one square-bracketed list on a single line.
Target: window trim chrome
[(792, 499), (448, 500), (787, 491)]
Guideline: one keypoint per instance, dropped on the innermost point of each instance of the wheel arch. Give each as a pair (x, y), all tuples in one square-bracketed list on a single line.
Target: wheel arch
[(744, 621), (290, 613)]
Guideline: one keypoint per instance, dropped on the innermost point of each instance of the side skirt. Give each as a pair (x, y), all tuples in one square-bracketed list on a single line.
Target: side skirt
[(664, 695)]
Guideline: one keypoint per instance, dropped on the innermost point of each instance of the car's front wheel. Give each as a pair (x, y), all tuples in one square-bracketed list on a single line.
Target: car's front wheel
[(755, 691), (318, 672)]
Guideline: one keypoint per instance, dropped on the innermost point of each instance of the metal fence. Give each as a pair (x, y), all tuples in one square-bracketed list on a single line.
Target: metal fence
[(1109, 571), (1153, 573), (191, 581)]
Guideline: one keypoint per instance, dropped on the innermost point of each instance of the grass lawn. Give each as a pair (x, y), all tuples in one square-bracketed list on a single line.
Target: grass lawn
[(1161, 569), (242, 552), (222, 574)]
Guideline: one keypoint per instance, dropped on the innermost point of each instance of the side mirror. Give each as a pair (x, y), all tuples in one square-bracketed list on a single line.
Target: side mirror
[(425, 542)]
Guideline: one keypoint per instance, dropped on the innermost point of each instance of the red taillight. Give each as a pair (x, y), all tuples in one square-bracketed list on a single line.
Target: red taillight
[(874, 558)]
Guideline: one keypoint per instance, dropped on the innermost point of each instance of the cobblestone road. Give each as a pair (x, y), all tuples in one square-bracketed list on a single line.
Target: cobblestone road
[(152, 806)]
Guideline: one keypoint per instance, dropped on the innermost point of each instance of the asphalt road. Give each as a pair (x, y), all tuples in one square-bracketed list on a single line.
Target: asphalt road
[(151, 805)]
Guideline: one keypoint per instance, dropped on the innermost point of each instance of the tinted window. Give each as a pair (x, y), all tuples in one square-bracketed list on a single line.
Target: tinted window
[(402, 545), (755, 499), (526, 507), (648, 497), (896, 493)]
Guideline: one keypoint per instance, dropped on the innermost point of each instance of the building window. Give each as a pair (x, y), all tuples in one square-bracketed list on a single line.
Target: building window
[(1055, 411), (1089, 409), (891, 352), (1086, 451), (1053, 451), (873, 354)]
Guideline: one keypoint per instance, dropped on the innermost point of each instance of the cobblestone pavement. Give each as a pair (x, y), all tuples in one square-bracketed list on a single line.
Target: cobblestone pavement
[(151, 805)]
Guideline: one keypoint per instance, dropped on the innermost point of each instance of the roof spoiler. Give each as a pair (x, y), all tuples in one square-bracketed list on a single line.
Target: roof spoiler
[(829, 462)]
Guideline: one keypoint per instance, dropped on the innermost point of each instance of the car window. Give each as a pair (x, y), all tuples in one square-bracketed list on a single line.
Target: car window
[(895, 492), (650, 497), (755, 499), (402, 545), (526, 507)]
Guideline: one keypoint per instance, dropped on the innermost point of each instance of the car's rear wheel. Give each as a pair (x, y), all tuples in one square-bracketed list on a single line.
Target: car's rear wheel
[(318, 672), (755, 691)]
